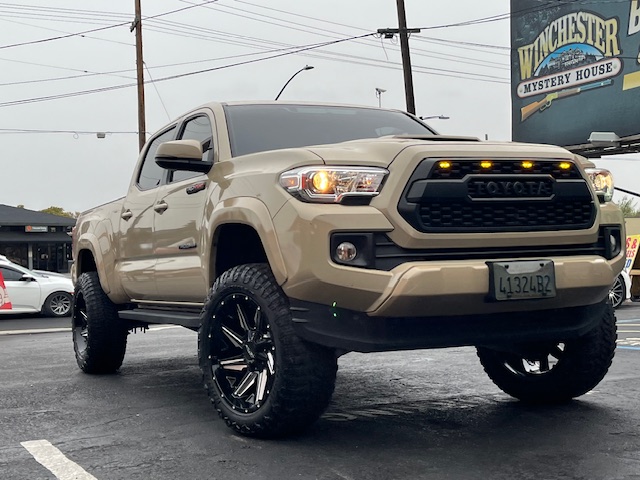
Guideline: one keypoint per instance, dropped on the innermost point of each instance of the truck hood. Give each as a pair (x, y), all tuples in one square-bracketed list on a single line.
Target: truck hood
[(383, 151)]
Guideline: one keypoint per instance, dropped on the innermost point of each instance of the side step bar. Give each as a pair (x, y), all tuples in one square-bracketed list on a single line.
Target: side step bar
[(146, 316)]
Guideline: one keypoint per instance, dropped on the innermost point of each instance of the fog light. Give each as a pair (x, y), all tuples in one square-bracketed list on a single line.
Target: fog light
[(614, 243), (346, 252)]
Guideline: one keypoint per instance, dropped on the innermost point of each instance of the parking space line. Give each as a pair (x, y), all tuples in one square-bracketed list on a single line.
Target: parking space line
[(54, 460), (167, 327), (35, 330)]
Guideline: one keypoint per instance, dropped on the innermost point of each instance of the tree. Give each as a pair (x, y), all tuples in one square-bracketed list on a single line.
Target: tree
[(59, 211), (628, 207)]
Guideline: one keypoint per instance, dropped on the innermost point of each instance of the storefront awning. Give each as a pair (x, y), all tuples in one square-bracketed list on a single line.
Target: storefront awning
[(49, 237)]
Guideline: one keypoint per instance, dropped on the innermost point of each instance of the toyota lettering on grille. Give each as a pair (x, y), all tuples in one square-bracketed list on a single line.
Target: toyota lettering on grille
[(505, 188)]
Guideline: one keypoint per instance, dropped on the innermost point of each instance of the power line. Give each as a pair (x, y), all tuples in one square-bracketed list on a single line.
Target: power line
[(425, 70), (173, 77), (4, 19), (102, 28), (225, 35), (415, 51), (73, 132), (157, 91), (287, 24), (33, 42), (356, 59)]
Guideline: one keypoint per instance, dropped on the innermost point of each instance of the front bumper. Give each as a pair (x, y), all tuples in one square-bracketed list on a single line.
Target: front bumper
[(347, 330), (436, 286)]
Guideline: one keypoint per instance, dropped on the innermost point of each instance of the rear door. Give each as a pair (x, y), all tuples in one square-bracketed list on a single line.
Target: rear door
[(180, 239), (135, 238)]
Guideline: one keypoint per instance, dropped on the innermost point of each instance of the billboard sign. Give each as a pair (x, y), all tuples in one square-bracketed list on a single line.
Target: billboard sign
[(575, 69), (633, 241)]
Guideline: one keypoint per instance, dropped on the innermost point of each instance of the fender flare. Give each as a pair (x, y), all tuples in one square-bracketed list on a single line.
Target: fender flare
[(89, 241), (253, 213), (99, 241)]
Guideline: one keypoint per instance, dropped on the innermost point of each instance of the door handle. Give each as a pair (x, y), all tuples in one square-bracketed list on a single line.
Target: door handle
[(126, 215), (160, 207)]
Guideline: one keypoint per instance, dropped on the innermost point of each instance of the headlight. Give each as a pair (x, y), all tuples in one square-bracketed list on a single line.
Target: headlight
[(602, 182), (333, 184)]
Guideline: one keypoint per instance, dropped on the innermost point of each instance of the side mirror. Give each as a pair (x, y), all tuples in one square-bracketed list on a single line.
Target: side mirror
[(185, 155), (27, 278)]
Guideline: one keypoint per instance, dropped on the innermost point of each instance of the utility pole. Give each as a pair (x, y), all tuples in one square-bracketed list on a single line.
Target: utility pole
[(404, 32), (137, 25)]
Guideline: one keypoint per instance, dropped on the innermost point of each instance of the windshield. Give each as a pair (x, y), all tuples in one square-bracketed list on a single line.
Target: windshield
[(26, 271), (258, 128)]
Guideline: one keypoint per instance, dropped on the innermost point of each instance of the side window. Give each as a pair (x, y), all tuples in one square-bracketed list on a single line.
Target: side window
[(151, 173), (10, 274), (197, 128)]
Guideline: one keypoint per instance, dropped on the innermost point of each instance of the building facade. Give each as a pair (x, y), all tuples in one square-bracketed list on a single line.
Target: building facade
[(36, 240)]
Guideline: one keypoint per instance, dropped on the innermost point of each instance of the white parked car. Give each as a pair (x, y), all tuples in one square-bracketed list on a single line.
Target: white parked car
[(34, 292), (621, 289)]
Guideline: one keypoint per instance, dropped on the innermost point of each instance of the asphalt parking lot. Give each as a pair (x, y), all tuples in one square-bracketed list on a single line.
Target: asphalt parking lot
[(430, 414)]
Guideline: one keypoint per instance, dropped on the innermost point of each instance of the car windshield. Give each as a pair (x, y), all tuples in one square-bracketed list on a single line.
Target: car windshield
[(258, 128)]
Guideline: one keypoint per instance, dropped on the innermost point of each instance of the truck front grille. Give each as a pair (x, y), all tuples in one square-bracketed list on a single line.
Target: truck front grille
[(503, 215), (501, 198)]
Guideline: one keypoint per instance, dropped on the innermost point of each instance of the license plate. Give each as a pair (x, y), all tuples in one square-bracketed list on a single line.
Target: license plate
[(522, 280)]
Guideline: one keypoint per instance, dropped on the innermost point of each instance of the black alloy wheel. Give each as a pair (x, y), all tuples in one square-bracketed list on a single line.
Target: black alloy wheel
[(244, 367), (262, 378), (80, 331)]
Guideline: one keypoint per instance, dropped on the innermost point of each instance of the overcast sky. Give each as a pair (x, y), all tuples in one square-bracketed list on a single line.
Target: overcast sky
[(459, 71)]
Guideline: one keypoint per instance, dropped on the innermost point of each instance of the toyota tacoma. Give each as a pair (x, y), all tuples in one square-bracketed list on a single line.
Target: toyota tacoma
[(290, 234)]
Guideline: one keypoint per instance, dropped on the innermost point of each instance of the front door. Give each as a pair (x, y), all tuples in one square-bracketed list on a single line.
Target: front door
[(180, 239), (24, 295)]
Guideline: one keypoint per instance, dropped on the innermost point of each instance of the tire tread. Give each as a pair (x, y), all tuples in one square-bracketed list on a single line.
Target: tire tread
[(107, 334), (306, 374), (585, 363)]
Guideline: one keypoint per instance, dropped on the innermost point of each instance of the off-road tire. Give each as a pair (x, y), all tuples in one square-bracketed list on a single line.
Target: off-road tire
[(580, 365), (99, 336), (246, 336), (58, 304)]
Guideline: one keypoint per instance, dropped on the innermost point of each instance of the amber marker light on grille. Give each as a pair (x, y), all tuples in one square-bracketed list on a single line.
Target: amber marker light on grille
[(444, 164), (565, 165), (486, 164), (527, 164)]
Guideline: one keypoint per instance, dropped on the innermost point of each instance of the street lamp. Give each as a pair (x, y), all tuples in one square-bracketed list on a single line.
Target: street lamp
[(379, 92), (439, 117), (306, 67)]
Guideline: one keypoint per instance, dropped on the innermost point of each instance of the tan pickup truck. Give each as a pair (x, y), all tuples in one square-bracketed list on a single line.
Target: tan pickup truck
[(290, 234)]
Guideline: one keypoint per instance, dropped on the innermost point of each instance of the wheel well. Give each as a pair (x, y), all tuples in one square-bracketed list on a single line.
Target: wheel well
[(85, 262), (236, 244)]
